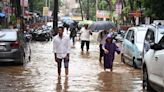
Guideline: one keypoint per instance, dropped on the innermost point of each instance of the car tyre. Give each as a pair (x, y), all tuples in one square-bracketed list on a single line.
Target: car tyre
[(134, 64), (122, 58), (146, 84)]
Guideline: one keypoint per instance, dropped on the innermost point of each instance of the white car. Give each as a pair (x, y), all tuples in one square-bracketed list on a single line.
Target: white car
[(132, 46), (153, 59)]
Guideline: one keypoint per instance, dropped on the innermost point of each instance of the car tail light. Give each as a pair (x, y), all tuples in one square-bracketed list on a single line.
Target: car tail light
[(15, 44)]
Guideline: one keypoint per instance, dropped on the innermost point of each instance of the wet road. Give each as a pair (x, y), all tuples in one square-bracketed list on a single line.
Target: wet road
[(86, 73)]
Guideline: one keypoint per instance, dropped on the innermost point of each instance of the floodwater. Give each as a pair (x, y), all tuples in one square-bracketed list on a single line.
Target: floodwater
[(86, 74)]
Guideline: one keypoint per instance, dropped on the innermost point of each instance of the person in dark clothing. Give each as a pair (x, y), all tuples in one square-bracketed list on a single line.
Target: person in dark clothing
[(73, 33), (109, 52)]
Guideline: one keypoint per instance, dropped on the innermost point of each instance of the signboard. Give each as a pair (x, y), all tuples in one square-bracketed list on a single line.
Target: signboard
[(102, 14), (135, 13), (24, 3), (45, 11)]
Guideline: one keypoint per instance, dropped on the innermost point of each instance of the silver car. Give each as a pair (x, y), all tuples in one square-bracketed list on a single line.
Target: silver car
[(14, 47)]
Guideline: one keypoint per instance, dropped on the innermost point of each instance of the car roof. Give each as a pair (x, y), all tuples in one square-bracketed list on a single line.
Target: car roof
[(7, 30), (139, 28)]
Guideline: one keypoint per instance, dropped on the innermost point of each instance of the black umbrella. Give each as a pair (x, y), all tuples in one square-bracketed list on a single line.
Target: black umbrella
[(102, 25)]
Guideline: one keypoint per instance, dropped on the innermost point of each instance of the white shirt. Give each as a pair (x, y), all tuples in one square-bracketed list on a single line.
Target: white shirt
[(61, 46), (85, 34)]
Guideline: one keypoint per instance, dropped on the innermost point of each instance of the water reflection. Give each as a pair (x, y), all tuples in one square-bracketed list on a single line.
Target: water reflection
[(59, 85), (62, 87)]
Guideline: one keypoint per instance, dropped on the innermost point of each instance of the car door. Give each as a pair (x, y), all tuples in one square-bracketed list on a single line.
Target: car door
[(158, 64), (126, 45), (131, 49), (149, 38)]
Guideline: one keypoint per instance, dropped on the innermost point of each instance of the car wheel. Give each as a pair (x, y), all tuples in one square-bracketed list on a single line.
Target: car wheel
[(146, 84), (122, 58), (22, 61), (134, 64)]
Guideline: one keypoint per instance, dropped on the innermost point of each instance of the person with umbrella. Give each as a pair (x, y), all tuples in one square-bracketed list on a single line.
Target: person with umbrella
[(101, 39), (73, 33), (109, 52), (85, 37)]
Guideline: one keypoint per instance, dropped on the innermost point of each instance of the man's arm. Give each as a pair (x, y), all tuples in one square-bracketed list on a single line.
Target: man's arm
[(55, 55)]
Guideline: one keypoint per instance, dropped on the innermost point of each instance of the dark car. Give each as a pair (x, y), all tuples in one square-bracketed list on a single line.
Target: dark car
[(14, 47)]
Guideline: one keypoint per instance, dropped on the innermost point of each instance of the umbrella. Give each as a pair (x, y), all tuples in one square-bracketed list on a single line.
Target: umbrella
[(65, 18), (102, 25), (89, 22), (70, 23)]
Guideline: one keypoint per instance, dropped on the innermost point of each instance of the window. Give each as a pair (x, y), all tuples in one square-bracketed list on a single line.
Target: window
[(161, 42), (150, 36), (8, 36), (132, 36), (128, 36)]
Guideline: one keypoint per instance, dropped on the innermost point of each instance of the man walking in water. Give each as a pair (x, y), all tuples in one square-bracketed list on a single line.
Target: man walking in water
[(61, 49)]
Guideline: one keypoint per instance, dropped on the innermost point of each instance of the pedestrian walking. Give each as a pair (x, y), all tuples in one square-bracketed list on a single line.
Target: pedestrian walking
[(109, 52), (61, 49), (73, 33), (101, 39), (85, 37)]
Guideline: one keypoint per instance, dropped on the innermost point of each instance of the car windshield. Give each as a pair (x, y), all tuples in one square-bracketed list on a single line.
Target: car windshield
[(8, 35), (140, 36)]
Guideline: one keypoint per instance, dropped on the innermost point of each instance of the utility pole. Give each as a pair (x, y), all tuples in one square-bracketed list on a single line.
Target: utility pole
[(96, 9), (87, 9), (55, 16), (81, 10)]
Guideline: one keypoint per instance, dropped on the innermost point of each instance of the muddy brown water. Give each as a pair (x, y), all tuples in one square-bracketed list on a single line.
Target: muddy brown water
[(86, 73)]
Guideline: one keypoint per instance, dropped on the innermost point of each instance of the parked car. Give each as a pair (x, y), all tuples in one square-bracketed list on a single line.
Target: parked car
[(14, 47), (153, 59), (132, 46)]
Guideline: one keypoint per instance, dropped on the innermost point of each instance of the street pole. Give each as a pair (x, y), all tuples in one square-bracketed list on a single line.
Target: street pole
[(49, 4), (55, 16), (46, 3), (96, 9), (81, 10), (87, 9)]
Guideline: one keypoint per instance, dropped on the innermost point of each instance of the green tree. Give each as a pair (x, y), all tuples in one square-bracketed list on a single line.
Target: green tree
[(154, 8)]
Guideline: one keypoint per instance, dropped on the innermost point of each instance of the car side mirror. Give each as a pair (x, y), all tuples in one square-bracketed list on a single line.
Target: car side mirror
[(156, 47)]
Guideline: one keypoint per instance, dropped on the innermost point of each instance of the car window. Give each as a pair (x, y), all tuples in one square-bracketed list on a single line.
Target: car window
[(132, 36), (8, 35), (161, 42), (128, 36), (150, 36)]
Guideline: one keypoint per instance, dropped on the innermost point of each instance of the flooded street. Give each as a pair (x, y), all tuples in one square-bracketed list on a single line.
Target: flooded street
[(86, 74)]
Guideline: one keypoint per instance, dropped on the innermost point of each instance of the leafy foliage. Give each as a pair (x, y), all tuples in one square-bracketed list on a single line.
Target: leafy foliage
[(154, 8)]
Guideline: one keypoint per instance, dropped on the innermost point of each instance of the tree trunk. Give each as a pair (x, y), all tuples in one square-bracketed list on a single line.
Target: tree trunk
[(87, 9), (81, 9), (109, 4), (55, 16)]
